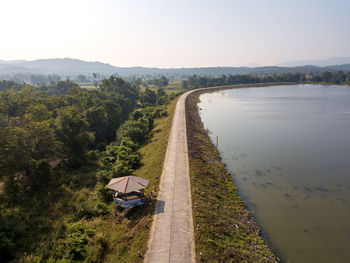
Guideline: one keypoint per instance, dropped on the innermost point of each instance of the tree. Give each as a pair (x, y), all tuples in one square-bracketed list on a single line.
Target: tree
[(72, 130), (119, 86), (193, 82), (161, 97), (82, 78), (62, 87), (340, 77), (38, 113), (137, 128), (24, 151), (162, 82), (98, 124), (326, 76), (184, 84), (14, 104), (9, 84), (114, 118), (138, 82), (123, 157), (148, 97)]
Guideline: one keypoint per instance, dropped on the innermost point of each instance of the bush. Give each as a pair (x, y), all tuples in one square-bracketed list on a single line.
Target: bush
[(101, 208), (123, 158), (121, 169), (164, 113), (105, 175), (76, 242), (92, 156), (85, 211), (74, 246), (8, 235), (135, 130), (104, 193)]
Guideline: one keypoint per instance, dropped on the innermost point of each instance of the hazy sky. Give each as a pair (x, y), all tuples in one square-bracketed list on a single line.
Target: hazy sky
[(178, 33)]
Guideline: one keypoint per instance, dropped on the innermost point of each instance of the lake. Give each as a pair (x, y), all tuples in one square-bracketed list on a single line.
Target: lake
[(288, 150)]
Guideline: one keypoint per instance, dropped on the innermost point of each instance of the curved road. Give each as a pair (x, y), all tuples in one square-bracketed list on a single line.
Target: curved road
[(172, 238)]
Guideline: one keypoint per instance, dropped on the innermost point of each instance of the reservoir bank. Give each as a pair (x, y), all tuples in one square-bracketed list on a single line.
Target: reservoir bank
[(287, 148)]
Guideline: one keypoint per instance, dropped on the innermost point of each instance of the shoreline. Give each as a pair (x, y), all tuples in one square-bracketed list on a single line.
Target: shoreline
[(197, 93), (237, 237)]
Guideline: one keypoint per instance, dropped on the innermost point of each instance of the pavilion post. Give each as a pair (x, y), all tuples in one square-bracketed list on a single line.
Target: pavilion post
[(114, 206)]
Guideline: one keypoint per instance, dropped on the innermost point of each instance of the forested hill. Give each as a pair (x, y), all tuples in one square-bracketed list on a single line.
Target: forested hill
[(73, 67), (60, 66)]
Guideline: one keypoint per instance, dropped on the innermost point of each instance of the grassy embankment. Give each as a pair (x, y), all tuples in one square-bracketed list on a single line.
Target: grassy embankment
[(129, 234), (224, 229)]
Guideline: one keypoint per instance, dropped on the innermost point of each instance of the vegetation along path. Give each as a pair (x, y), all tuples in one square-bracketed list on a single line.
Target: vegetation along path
[(172, 237)]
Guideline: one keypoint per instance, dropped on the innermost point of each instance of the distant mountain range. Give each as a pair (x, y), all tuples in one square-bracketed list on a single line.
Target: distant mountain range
[(320, 63), (66, 67), (59, 66)]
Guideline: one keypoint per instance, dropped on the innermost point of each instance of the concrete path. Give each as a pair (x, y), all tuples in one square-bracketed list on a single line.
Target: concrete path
[(172, 238)]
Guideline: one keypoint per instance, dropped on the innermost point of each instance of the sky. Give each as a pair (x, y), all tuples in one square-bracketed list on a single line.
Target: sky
[(178, 33)]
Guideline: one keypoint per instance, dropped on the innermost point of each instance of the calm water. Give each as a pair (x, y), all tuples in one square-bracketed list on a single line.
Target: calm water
[(288, 149)]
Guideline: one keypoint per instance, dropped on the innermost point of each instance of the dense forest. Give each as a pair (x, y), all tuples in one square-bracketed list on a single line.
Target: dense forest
[(195, 82), (53, 140)]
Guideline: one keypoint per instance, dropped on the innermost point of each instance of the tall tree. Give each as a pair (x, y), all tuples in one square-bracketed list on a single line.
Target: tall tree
[(148, 97), (72, 130), (119, 86)]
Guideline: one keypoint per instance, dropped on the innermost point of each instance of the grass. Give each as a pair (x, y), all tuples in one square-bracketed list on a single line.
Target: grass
[(224, 229), (86, 85), (174, 85)]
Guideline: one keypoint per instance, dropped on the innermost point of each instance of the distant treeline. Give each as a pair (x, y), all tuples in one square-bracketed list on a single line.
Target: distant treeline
[(31, 78), (56, 88), (48, 82), (49, 79), (195, 82)]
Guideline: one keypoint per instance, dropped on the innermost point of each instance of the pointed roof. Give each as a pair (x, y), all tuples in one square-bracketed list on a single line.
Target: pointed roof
[(127, 184)]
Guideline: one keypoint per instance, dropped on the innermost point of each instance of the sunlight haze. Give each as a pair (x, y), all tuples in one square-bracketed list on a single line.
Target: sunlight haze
[(157, 33)]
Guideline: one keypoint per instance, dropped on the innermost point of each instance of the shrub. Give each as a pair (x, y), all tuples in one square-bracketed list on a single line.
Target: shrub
[(8, 236), (85, 211), (74, 245), (135, 130), (103, 193)]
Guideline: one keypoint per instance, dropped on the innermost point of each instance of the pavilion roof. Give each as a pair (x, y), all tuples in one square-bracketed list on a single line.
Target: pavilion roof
[(128, 184)]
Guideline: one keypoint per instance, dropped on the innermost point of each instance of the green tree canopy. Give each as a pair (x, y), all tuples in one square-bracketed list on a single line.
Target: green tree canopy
[(72, 130), (148, 97), (119, 86)]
